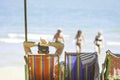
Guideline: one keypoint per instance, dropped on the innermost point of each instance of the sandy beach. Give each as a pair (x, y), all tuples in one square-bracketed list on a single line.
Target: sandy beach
[(12, 73)]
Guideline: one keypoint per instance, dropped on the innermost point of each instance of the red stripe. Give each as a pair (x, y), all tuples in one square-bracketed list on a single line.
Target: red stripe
[(31, 67), (46, 68), (38, 68), (35, 67)]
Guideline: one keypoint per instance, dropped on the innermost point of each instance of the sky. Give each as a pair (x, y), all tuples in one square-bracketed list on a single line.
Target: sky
[(12, 11)]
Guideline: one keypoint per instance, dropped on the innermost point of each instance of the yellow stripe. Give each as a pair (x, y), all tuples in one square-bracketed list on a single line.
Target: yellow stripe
[(33, 66)]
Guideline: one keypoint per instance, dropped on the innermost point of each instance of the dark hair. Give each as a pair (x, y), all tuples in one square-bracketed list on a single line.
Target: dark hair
[(79, 31), (43, 49)]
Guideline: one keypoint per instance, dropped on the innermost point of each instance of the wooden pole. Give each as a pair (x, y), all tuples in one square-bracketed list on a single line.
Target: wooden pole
[(25, 18)]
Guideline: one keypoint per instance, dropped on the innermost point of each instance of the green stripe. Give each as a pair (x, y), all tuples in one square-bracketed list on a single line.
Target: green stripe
[(86, 69), (108, 66), (25, 72), (58, 69), (65, 68)]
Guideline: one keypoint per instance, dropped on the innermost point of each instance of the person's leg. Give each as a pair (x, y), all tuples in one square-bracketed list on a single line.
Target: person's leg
[(80, 48), (77, 49), (96, 48), (99, 49)]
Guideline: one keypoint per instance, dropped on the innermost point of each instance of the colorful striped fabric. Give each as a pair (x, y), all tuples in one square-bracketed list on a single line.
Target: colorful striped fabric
[(41, 67), (81, 66), (112, 66)]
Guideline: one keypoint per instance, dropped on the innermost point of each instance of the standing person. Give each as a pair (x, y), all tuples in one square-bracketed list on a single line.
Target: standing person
[(58, 37), (79, 41), (58, 41), (99, 40)]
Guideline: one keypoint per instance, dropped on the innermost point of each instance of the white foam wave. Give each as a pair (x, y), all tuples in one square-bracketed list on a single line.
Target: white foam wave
[(113, 43), (18, 38), (30, 36), (11, 40), (37, 36), (33, 36), (13, 35)]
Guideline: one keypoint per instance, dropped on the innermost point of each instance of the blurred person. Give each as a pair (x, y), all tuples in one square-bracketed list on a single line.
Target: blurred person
[(58, 37), (79, 41), (99, 42), (58, 40)]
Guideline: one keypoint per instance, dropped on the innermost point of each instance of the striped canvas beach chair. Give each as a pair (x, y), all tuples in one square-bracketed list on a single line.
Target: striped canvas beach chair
[(111, 67), (42, 67), (83, 66)]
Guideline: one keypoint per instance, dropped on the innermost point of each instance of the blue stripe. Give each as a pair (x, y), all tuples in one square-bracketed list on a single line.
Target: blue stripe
[(74, 67), (81, 68), (68, 67)]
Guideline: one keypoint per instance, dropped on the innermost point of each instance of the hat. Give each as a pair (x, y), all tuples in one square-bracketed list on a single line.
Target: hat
[(43, 41)]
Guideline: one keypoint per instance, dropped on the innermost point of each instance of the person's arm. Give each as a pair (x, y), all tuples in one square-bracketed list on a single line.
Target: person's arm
[(95, 40), (103, 42), (63, 38), (28, 45), (54, 38), (83, 37)]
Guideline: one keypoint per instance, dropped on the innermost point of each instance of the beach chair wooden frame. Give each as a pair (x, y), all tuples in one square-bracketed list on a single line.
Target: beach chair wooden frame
[(36, 66), (112, 62), (78, 65)]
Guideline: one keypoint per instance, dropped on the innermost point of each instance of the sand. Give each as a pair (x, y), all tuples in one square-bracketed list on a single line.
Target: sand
[(12, 73)]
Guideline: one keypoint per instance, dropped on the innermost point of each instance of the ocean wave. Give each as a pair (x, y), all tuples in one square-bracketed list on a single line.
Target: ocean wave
[(19, 38), (13, 35), (11, 40), (30, 36)]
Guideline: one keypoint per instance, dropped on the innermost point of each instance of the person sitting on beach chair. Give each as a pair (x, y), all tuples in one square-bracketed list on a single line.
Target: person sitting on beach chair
[(43, 47)]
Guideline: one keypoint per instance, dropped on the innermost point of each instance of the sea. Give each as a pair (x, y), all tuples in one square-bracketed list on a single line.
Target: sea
[(44, 17)]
